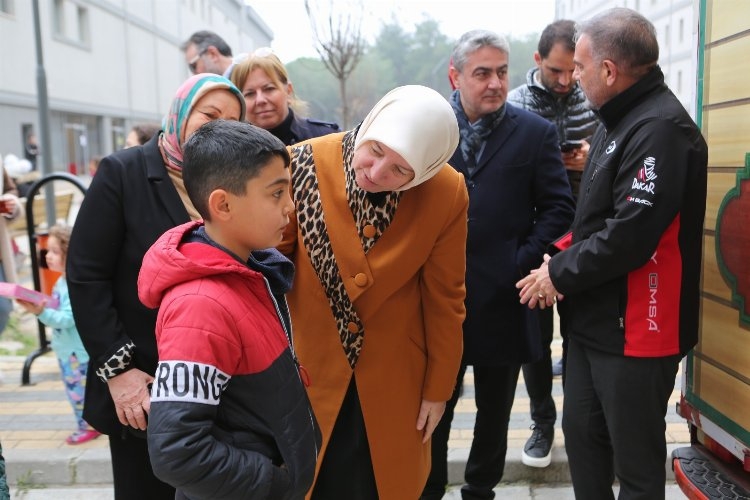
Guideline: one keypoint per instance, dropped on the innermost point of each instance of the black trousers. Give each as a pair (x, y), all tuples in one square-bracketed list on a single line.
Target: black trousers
[(346, 470), (538, 375), (131, 467), (613, 421), (494, 391)]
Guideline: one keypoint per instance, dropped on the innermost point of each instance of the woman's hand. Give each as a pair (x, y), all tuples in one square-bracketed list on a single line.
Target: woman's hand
[(430, 414), (132, 397)]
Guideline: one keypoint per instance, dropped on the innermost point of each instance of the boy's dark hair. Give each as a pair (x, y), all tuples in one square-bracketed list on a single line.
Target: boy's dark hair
[(561, 31), (225, 154)]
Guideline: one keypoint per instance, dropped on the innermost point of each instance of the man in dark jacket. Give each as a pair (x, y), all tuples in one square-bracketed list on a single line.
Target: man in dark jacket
[(551, 92), (630, 269), (519, 202)]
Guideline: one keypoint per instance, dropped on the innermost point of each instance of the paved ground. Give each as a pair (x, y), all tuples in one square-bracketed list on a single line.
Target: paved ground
[(510, 492), (36, 419)]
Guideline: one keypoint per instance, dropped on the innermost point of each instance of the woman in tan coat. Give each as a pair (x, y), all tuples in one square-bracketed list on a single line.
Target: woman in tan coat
[(377, 303)]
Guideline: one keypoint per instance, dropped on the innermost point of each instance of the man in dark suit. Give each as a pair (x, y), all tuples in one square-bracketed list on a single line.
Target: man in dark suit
[(519, 202)]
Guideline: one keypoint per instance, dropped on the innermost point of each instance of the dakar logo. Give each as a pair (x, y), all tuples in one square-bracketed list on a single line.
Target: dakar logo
[(653, 303), (612, 146), (646, 173), (643, 186)]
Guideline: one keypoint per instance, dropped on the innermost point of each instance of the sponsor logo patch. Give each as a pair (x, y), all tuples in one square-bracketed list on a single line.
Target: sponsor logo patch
[(646, 173), (188, 381), (643, 186), (640, 201), (612, 146), (644, 180), (653, 303)]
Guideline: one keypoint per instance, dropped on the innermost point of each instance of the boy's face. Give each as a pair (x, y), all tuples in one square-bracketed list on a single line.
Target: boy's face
[(261, 214)]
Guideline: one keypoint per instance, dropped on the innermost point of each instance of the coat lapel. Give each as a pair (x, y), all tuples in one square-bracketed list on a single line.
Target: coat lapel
[(162, 185), (497, 138), (344, 236)]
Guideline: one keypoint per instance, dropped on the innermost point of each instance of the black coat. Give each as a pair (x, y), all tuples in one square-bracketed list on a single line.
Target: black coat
[(632, 273), (130, 203), (295, 129), (519, 202)]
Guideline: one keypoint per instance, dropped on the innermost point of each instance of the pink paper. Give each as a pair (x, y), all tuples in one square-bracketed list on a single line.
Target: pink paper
[(15, 291)]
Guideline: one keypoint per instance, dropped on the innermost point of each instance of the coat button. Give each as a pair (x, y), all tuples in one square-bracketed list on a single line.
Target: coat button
[(352, 327), (369, 231), (360, 279)]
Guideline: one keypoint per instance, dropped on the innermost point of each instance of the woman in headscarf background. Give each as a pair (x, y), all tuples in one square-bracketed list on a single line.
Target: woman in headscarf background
[(378, 241), (136, 195), (270, 100)]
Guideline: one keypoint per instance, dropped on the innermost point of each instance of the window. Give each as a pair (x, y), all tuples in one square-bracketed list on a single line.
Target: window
[(682, 31), (7, 7), (71, 21)]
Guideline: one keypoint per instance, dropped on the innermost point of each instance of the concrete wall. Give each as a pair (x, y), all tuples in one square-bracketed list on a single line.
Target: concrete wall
[(113, 63), (676, 23)]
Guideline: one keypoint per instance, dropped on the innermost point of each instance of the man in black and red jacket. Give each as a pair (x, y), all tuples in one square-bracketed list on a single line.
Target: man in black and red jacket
[(630, 268)]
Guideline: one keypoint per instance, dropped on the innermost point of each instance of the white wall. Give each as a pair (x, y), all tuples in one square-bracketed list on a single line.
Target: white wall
[(128, 68)]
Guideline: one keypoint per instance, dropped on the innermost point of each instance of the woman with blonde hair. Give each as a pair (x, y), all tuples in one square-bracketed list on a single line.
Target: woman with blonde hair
[(270, 100)]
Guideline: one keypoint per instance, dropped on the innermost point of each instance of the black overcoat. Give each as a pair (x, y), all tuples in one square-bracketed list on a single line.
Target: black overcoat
[(130, 203), (519, 202)]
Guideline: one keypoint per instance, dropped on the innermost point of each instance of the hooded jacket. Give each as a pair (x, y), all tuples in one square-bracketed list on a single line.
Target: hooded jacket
[(631, 270), (228, 406)]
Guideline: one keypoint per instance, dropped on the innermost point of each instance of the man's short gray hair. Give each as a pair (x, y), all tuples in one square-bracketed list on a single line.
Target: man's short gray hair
[(471, 41), (623, 36)]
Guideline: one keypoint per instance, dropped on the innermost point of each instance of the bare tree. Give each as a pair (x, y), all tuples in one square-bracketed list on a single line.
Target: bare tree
[(338, 41)]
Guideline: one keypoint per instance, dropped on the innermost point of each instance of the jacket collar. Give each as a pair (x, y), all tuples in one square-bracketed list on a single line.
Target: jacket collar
[(618, 107)]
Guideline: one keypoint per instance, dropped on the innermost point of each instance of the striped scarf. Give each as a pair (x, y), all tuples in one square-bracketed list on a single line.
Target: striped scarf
[(474, 135)]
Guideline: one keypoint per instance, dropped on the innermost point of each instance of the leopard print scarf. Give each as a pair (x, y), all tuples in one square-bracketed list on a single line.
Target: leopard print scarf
[(318, 245)]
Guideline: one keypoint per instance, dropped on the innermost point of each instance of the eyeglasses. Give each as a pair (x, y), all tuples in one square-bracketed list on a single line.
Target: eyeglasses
[(193, 63)]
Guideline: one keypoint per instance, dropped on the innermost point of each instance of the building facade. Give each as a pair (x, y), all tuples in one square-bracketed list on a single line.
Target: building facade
[(108, 64), (676, 23)]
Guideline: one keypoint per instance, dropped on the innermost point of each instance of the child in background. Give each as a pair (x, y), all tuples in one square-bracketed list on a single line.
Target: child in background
[(229, 414), (66, 343)]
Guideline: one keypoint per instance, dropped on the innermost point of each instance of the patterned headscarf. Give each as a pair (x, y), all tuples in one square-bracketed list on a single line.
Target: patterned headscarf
[(187, 95), (418, 124)]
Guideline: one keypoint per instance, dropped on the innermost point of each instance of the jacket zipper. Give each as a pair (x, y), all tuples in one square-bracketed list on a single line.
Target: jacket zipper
[(596, 169), (290, 341)]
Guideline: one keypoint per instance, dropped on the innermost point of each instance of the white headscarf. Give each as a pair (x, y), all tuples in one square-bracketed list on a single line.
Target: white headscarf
[(417, 123)]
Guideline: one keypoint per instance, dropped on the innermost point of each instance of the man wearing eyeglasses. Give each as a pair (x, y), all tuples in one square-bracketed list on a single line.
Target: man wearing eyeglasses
[(207, 52)]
